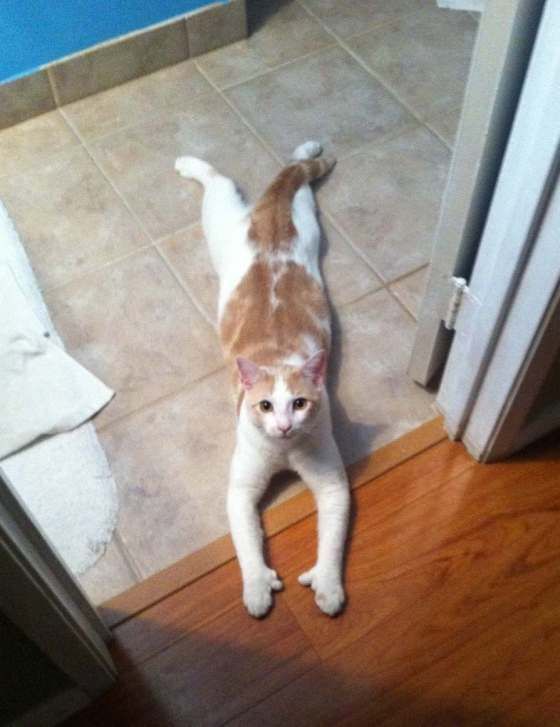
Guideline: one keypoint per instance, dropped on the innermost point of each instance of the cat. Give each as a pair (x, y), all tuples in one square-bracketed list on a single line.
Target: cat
[(274, 327)]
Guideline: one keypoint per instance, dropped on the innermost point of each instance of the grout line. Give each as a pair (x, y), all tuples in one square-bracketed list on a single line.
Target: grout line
[(385, 283), (143, 227), (271, 69), (360, 33), (368, 146), (449, 144), (181, 230), (401, 304), (148, 118), (107, 178), (344, 45), (184, 287), (52, 84), (393, 92), (163, 397), (97, 268), (325, 212), (234, 108), (402, 277)]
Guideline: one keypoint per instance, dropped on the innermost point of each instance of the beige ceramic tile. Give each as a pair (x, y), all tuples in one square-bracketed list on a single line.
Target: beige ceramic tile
[(33, 143), (69, 218), (375, 401), (216, 26), (133, 325), (423, 57), (188, 256), (387, 200), (25, 97), (166, 91), (280, 32), (410, 290), (140, 161), (171, 463), (109, 65), (110, 576), (326, 96), (347, 276), (357, 16), (445, 124)]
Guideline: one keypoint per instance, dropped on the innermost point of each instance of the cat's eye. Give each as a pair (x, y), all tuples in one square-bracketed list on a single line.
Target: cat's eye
[(300, 403), (265, 405)]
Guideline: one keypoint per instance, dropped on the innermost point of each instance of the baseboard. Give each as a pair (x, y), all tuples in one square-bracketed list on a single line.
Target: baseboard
[(277, 518), (122, 59)]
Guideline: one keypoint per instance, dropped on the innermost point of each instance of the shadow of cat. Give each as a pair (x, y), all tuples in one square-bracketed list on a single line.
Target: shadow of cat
[(353, 438), (259, 12)]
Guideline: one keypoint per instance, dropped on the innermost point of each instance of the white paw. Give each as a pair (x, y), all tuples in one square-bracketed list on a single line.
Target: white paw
[(329, 593), (308, 150), (257, 592), (192, 168)]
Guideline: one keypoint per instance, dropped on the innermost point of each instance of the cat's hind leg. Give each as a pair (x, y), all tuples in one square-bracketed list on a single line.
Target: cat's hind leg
[(304, 215), (224, 211)]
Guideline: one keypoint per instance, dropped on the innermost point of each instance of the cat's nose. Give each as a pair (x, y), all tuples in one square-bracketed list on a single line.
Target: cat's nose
[(285, 429)]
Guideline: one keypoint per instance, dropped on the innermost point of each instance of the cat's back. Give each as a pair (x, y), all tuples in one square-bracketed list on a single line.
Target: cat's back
[(277, 313), (278, 310)]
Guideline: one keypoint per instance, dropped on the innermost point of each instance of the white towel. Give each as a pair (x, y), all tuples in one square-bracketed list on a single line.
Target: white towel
[(42, 389)]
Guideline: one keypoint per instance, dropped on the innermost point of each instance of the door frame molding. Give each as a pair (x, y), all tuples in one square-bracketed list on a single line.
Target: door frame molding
[(42, 599), (511, 301), (501, 54)]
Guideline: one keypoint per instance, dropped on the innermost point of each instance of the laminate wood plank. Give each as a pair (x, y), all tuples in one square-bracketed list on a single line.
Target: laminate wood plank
[(276, 519), (457, 585), (420, 549), (487, 680), (167, 621), (453, 615), (379, 500), (210, 675)]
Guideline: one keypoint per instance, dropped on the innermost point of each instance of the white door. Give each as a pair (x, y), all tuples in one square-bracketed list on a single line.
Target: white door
[(506, 345), (40, 597), (503, 47)]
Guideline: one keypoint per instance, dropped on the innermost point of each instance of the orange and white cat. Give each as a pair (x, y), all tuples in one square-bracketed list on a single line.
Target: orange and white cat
[(275, 332)]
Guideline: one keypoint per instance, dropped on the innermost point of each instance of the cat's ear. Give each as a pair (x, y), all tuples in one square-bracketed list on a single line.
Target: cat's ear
[(249, 372), (315, 368)]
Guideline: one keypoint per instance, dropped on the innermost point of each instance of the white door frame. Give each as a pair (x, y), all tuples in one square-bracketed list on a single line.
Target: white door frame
[(40, 596), (502, 50), (509, 306)]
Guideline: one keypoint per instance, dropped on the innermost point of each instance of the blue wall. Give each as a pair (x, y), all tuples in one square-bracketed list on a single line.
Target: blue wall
[(36, 32)]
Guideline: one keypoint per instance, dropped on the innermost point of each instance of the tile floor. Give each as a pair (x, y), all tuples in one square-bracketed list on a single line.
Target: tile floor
[(114, 239)]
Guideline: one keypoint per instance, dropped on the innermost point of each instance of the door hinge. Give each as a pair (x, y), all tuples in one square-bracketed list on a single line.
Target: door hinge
[(458, 289)]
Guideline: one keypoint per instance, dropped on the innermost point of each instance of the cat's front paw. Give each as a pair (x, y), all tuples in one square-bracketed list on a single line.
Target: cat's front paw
[(257, 592), (329, 592)]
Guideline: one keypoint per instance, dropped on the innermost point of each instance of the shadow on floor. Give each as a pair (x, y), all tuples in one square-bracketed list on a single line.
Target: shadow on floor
[(263, 673), (259, 12)]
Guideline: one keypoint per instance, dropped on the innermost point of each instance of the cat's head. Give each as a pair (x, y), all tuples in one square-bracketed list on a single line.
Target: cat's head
[(283, 401)]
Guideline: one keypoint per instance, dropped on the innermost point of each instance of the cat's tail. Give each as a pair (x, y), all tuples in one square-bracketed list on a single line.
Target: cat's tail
[(271, 219)]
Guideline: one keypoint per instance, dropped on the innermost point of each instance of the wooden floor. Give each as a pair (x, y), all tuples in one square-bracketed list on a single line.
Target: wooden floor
[(453, 615)]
